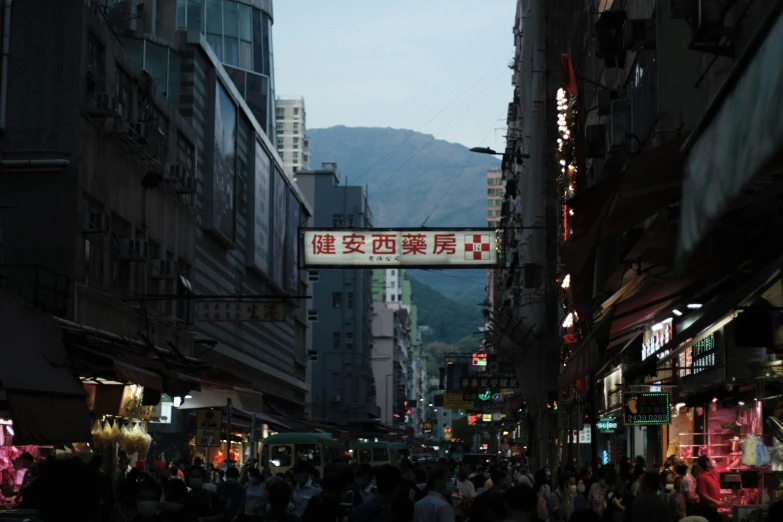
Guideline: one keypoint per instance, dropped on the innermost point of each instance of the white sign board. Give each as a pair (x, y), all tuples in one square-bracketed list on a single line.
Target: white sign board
[(584, 436), (399, 248)]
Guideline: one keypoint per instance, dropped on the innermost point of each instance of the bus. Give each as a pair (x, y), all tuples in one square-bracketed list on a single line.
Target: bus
[(403, 452), (375, 453), (281, 452)]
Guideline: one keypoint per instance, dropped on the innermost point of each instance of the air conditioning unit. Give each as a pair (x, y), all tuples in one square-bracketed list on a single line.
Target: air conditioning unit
[(134, 249), (140, 132), (96, 223), (178, 172), (595, 138), (104, 105), (619, 130), (163, 269), (639, 34), (187, 185), (116, 126), (336, 398)]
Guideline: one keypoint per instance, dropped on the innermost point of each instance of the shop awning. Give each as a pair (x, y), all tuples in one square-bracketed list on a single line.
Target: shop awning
[(738, 137), (249, 402), (130, 373), (46, 400)]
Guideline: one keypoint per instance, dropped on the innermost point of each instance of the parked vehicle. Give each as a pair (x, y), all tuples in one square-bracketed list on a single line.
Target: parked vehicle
[(375, 453), (281, 452)]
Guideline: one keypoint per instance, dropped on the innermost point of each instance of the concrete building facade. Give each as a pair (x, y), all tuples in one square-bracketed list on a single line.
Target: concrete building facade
[(340, 313), (293, 144), (391, 362), (496, 191), (170, 184)]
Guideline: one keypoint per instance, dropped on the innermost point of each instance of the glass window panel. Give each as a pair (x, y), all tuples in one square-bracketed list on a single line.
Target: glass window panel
[(195, 16), (245, 55), (230, 19), (156, 64), (245, 22), (214, 17), (175, 68), (134, 49), (216, 42), (238, 77), (267, 42), (258, 47), (181, 12), (231, 51), (257, 97)]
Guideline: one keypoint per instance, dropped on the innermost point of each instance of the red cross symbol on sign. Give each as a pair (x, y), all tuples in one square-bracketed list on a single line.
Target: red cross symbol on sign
[(477, 247)]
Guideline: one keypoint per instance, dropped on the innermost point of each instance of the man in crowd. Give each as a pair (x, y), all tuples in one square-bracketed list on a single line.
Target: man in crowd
[(520, 504), (305, 489), (379, 508), (436, 506), (709, 490), (648, 506)]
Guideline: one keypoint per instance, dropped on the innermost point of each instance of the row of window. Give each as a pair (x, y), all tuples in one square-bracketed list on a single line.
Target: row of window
[(494, 213), (280, 112), (494, 181), (496, 192), (494, 202)]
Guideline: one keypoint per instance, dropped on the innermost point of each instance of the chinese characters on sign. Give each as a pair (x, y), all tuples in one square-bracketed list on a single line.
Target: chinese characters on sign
[(655, 340), (257, 311), (489, 381), (647, 408), (378, 248)]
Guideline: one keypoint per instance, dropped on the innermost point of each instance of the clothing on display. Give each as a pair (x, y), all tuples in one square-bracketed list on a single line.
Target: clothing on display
[(776, 456), (749, 454)]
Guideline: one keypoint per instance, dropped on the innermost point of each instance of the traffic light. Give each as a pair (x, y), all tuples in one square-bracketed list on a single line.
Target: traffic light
[(551, 402)]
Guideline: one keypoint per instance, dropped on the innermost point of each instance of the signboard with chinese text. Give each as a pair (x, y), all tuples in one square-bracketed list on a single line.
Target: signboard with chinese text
[(607, 425), (455, 401), (482, 382), (656, 339), (480, 359), (378, 248), (647, 408), (487, 417), (256, 311), (209, 419), (209, 438), (427, 427)]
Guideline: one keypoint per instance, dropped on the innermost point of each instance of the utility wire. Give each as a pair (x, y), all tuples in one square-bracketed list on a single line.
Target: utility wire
[(387, 178), (454, 179)]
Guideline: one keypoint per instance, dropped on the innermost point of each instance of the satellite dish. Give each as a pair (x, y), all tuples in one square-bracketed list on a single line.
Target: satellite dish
[(777, 428)]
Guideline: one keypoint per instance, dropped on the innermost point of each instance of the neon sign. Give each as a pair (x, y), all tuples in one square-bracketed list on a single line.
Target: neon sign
[(479, 359)]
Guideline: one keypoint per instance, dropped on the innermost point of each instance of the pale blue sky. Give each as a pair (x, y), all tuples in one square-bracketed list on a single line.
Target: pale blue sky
[(398, 63)]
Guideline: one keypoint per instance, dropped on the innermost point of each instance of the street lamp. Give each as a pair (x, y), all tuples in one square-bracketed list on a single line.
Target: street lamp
[(487, 150)]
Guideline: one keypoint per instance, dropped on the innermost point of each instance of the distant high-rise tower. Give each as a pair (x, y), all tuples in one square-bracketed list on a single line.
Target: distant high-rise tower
[(293, 144), (495, 192)]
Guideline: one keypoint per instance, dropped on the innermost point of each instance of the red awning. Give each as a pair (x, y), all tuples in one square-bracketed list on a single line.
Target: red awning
[(569, 78), (624, 339)]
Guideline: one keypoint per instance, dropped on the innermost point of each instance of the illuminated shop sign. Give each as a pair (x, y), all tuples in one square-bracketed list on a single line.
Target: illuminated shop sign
[(479, 359), (647, 408), (607, 425), (657, 337), (699, 357)]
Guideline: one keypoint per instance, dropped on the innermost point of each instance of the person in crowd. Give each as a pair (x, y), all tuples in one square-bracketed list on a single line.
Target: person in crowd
[(636, 483), (326, 505), (671, 495), (201, 504), (105, 490), (353, 495), (436, 506), (380, 508), (255, 496), (364, 481), (488, 483), (587, 476), (613, 507), (490, 505), (123, 467), (525, 478), (688, 489), (26, 462), (680, 471), (648, 506), (543, 482), (68, 492), (231, 495), (580, 498), (709, 490), (465, 494), (304, 489), (421, 484), (125, 508), (596, 497), (560, 503), (520, 504), (406, 468), (279, 500), (148, 494), (175, 493)]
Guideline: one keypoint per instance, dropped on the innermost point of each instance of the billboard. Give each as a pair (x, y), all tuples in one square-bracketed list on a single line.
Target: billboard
[(261, 215), (647, 408), (377, 248), (224, 164)]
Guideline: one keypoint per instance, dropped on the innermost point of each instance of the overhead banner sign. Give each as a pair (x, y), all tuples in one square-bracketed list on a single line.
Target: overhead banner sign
[(375, 248), (489, 381), (647, 408), (253, 311)]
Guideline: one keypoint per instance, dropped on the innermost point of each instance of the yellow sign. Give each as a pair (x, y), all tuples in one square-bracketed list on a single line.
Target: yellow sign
[(209, 419), (456, 401)]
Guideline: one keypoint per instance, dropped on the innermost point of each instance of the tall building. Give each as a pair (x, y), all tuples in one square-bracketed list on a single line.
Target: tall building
[(168, 183), (340, 314), (496, 191), (293, 144), (391, 362)]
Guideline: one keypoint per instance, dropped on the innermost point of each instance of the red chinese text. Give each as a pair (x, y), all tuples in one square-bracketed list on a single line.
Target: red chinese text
[(323, 244), (445, 244)]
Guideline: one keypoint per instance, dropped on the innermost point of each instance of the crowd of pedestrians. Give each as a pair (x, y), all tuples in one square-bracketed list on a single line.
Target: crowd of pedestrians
[(71, 491)]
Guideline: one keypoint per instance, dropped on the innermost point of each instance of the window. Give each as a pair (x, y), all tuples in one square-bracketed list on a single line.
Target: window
[(349, 299), (281, 456), (312, 275), (95, 65), (241, 188), (296, 128), (93, 246), (185, 271), (393, 297), (280, 112), (337, 340), (337, 220), (296, 156), (337, 299), (394, 272), (312, 315), (309, 453), (349, 220), (122, 91), (296, 112), (185, 152), (120, 229), (280, 128)]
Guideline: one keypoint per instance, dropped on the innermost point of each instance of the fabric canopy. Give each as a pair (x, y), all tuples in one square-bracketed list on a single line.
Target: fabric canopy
[(739, 136), (48, 420), (248, 402)]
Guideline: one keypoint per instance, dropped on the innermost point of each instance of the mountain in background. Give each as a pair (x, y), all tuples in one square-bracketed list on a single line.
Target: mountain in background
[(412, 177), (447, 321)]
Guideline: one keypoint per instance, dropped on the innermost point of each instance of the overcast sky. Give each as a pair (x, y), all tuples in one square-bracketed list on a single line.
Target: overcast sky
[(435, 66)]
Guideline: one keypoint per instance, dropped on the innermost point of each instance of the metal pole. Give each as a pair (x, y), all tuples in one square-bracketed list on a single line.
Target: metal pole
[(253, 437), (228, 430)]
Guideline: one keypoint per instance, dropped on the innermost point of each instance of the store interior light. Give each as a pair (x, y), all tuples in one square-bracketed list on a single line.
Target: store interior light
[(677, 312), (659, 326), (694, 306), (741, 403), (188, 396), (10, 430), (679, 405), (177, 402), (714, 399)]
